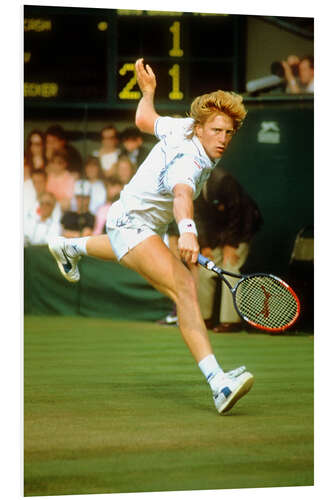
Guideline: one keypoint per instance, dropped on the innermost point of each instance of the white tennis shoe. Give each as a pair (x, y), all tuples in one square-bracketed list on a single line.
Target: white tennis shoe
[(232, 389), (235, 372), (66, 262)]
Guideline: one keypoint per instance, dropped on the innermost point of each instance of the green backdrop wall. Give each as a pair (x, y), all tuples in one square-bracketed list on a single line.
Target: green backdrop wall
[(273, 158), (106, 289)]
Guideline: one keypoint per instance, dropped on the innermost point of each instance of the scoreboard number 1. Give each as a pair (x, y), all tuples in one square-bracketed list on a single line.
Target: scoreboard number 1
[(176, 51), (175, 94)]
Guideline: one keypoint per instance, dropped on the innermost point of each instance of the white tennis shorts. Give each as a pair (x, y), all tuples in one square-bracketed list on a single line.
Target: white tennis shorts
[(126, 231)]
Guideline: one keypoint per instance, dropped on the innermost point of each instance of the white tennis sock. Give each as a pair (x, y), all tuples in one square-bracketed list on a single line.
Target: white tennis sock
[(212, 371), (77, 246)]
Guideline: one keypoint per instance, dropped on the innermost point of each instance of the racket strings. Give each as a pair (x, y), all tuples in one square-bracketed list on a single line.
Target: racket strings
[(265, 301)]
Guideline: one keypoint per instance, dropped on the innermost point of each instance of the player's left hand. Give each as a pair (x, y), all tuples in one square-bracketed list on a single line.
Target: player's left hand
[(145, 77), (188, 248)]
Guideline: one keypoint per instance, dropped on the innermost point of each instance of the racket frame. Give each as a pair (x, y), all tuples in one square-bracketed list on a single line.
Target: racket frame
[(211, 266)]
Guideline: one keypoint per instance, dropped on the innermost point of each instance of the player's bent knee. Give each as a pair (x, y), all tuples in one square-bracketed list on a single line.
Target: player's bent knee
[(186, 288)]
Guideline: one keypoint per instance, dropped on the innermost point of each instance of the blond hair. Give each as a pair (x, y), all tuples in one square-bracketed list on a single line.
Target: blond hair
[(219, 101)]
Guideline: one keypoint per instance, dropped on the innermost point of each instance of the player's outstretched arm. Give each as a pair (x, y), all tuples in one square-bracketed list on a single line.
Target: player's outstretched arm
[(183, 212), (145, 114)]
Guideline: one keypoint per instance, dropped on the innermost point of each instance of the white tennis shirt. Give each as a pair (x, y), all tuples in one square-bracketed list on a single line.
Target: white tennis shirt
[(148, 197)]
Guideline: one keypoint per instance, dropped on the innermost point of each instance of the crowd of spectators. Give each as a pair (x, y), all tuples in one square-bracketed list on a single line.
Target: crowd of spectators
[(67, 195)]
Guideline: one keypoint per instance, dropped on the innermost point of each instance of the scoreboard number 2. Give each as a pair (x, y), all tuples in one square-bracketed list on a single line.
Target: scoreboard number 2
[(127, 92)]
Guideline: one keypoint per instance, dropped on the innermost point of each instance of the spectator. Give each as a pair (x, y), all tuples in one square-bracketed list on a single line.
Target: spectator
[(39, 180), (94, 174), (60, 181), (113, 188), (124, 169), (56, 140), (132, 145), (39, 224), (109, 152), (227, 219), (304, 83), (35, 150), (33, 188), (80, 222)]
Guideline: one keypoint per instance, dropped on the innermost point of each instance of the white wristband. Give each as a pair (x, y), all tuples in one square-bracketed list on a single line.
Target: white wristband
[(187, 226)]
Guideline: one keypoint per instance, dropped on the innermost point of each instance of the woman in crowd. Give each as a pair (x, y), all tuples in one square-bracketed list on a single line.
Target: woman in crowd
[(124, 169), (35, 150)]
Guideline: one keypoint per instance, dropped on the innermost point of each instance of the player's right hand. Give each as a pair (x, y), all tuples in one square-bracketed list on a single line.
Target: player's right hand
[(188, 248), (145, 77)]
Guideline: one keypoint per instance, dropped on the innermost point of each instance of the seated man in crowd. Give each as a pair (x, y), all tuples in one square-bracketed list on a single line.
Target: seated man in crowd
[(39, 225), (132, 145), (80, 222)]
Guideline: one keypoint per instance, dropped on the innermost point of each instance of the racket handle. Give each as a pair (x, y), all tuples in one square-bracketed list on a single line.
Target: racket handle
[(209, 264), (203, 261)]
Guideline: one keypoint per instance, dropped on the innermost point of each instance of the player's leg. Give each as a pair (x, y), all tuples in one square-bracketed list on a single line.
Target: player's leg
[(154, 261), (68, 251), (171, 240), (100, 247)]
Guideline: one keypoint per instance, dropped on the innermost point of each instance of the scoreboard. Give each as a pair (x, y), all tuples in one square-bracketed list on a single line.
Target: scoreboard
[(85, 56)]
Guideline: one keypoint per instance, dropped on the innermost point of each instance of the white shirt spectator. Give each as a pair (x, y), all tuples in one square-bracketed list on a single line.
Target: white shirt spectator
[(97, 196), (40, 222), (37, 232), (107, 160)]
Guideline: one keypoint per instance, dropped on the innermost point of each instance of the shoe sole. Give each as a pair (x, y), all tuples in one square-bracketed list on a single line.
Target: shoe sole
[(238, 393), (60, 266)]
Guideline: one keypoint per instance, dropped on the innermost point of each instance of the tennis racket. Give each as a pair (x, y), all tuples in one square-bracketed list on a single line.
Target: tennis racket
[(262, 300)]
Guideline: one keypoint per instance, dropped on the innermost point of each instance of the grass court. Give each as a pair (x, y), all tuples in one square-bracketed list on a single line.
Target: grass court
[(116, 407)]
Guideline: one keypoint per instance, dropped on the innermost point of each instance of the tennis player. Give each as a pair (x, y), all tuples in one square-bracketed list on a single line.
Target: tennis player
[(162, 189)]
